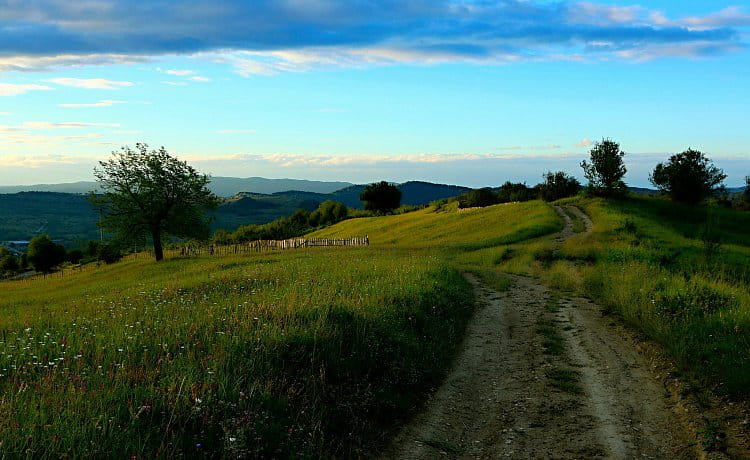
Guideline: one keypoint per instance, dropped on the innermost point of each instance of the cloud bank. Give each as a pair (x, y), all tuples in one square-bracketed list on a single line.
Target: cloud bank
[(271, 36)]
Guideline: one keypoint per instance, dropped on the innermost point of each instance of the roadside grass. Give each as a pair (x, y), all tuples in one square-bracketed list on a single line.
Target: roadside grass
[(575, 221), (650, 261), (553, 342), (297, 354)]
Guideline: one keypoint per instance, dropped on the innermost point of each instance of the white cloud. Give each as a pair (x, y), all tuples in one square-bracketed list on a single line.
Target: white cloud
[(179, 73), (585, 142), (36, 125), (92, 83), (175, 83), (101, 103), (5, 114), (200, 79), (47, 63), (11, 89)]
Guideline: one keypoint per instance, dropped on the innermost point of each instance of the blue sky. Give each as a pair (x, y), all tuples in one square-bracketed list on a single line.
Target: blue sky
[(471, 92)]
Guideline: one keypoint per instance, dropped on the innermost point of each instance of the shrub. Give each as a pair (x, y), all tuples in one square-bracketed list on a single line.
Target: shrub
[(109, 253), (477, 198), (688, 177), (558, 185), (328, 213), (74, 256), (381, 197), (44, 254), (510, 192)]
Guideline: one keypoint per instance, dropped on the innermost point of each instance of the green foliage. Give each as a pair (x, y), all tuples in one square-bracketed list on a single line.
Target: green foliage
[(382, 197), (74, 256), (558, 185), (328, 213), (477, 198), (151, 193), (511, 192), (44, 254), (8, 261), (299, 223), (606, 169), (688, 177)]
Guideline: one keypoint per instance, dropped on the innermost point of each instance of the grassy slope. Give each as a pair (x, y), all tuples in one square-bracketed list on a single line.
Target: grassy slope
[(304, 353), (646, 261)]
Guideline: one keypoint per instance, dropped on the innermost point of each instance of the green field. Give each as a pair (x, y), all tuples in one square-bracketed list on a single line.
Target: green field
[(322, 351), (285, 354)]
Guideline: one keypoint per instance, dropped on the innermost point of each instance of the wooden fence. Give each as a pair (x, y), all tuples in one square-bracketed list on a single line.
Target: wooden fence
[(189, 250)]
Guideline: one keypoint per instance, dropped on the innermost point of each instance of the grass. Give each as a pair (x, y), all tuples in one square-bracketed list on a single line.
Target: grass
[(299, 354), (648, 260)]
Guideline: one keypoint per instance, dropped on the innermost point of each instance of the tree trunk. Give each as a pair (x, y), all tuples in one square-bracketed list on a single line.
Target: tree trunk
[(158, 250)]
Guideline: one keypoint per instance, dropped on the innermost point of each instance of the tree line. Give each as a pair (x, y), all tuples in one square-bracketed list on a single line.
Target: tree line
[(688, 177), (149, 195)]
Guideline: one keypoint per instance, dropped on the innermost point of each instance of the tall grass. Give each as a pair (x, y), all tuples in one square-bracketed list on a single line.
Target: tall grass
[(306, 353), (647, 259), (280, 355)]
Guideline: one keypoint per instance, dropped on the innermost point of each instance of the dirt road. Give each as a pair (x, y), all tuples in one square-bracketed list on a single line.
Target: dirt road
[(545, 377)]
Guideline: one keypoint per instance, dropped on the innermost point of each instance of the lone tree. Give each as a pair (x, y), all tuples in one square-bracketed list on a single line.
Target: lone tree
[(606, 170), (151, 193), (44, 254), (381, 196), (558, 185), (688, 177)]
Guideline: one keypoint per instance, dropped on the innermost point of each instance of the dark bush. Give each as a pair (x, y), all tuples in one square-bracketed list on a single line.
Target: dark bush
[(477, 198), (510, 192), (688, 177), (558, 185), (109, 253), (74, 256), (381, 197), (44, 254)]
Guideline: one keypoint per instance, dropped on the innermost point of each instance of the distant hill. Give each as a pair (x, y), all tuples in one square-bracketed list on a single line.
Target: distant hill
[(222, 186), (69, 217)]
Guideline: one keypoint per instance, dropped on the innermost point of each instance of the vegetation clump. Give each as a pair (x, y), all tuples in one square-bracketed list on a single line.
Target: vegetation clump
[(605, 170), (688, 177), (558, 185), (382, 197), (151, 193)]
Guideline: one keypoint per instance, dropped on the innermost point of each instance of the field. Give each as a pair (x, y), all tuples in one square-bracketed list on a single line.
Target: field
[(322, 351), (676, 273), (284, 354)]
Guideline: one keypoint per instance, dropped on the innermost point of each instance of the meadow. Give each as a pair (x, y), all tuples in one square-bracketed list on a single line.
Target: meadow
[(679, 274), (292, 354)]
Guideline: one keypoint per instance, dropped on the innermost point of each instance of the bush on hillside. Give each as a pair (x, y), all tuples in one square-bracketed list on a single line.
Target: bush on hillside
[(477, 198), (328, 213), (8, 261), (558, 185), (382, 197), (606, 169), (44, 254), (510, 192), (688, 177)]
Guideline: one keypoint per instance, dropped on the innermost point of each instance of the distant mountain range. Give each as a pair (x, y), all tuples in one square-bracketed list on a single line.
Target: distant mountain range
[(69, 217), (221, 186)]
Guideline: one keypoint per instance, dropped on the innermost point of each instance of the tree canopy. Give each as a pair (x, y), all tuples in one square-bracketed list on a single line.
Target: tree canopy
[(688, 177), (44, 254), (606, 169), (149, 193), (558, 185), (381, 197)]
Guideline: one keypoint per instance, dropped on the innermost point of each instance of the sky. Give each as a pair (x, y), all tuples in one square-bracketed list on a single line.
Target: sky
[(469, 92)]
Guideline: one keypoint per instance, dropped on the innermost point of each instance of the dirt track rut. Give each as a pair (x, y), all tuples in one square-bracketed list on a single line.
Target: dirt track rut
[(502, 398)]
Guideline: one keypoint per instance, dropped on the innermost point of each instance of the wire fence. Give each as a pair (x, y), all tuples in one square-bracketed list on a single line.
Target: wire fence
[(192, 250)]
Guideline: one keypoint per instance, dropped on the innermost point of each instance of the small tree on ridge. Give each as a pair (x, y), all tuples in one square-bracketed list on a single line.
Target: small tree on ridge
[(381, 197), (688, 177), (606, 170)]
